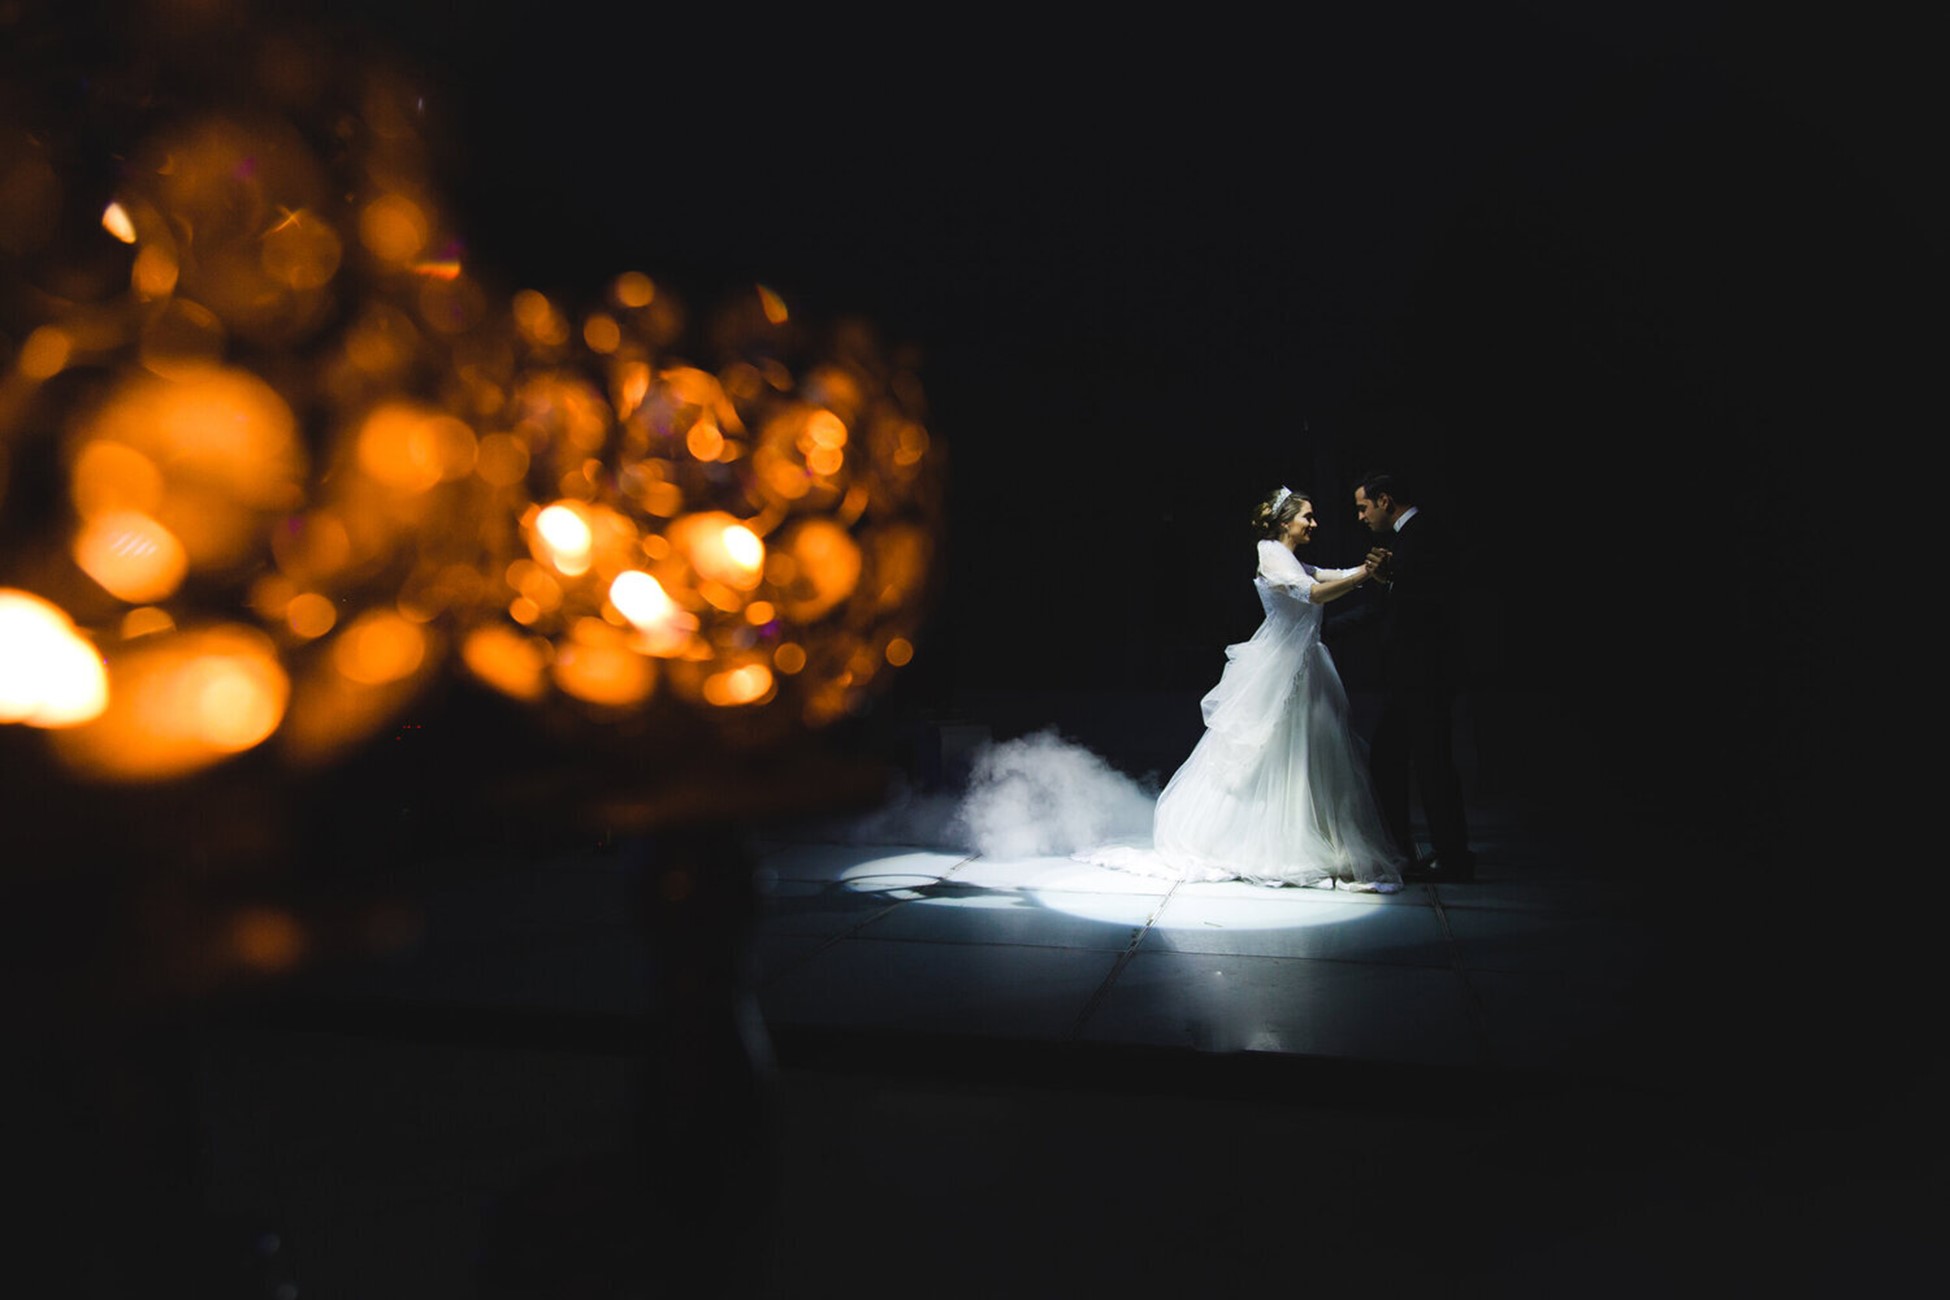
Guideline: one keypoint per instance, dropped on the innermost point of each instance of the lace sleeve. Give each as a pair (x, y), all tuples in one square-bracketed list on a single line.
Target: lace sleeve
[(1281, 570)]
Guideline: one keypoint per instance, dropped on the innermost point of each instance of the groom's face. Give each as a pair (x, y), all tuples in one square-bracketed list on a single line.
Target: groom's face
[(1374, 513)]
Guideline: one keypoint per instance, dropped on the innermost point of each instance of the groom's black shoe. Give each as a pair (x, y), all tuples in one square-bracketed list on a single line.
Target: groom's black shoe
[(1429, 869)]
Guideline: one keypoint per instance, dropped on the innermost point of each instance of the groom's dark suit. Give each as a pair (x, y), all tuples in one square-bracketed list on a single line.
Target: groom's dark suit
[(1421, 652)]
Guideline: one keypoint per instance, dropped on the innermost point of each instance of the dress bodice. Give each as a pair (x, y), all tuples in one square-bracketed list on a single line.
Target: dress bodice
[(1284, 585)]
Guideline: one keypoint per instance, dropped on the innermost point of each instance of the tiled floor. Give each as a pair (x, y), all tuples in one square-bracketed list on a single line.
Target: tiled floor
[(1528, 968), (1511, 971), (1035, 1077)]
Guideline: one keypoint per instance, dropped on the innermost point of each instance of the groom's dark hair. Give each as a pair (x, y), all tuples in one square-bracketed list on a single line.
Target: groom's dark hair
[(1380, 483)]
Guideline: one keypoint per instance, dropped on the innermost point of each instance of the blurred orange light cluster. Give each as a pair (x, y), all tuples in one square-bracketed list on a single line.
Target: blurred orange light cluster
[(745, 537), (310, 460)]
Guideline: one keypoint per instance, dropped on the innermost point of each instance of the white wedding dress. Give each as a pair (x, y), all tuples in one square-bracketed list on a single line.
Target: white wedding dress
[(1276, 790)]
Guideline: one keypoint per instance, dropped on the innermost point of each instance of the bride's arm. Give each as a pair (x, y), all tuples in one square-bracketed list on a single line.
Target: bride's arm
[(1340, 582), (1278, 566)]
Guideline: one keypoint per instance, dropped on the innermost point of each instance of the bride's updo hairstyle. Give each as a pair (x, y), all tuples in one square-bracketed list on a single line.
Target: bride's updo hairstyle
[(1272, 515)]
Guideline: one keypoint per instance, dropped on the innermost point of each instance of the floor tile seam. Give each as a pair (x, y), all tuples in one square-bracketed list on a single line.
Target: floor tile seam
[(1473, 1008), (945, 943), (1138, 928), (1032, 886), (841, 891), (772, 977), (1074, 893), (1095, 1000), (955, 941)]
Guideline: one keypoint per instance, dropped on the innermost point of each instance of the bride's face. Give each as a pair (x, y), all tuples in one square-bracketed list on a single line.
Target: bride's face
[(1299, 528)]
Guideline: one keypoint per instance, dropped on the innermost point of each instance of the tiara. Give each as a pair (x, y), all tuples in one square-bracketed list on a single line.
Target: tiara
[(1279, 498)]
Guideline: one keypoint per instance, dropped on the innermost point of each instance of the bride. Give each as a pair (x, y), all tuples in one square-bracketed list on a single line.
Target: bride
[(1276, 790)]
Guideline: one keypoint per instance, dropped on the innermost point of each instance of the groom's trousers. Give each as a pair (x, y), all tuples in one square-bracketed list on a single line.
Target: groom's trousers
[(1415, 738)]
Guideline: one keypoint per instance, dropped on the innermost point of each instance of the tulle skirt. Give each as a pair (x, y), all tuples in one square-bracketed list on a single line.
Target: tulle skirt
[(1277, 788)]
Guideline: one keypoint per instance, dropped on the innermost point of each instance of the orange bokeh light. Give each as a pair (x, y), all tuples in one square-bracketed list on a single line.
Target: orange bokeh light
[(602, 333), (302, 251), (665, 628), (790, 658), (745, 684), (224, 443), (579, 502), (634, 289), (825, 429), (828, 565), (133, 557), (310, 615), (412, 448), (562, 536), (514, 664), (597, 665), (113, 477), (180, 701), (155, 272), (267, 938), (145, 620), (50, 675), (393, 228), (502, 460), (721, 548), (642, 599), (378, 647), (704, 441), (45, 353), (117, 222)]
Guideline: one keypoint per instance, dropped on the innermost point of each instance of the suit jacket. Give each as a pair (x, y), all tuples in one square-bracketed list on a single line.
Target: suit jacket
[(1417, 621)]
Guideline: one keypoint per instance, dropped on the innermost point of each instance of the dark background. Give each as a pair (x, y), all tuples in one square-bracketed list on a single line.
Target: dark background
[(1642, 294), (1645, 295)]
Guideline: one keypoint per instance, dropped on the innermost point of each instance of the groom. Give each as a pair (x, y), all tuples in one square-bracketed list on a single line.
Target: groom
[(1420, 647)]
